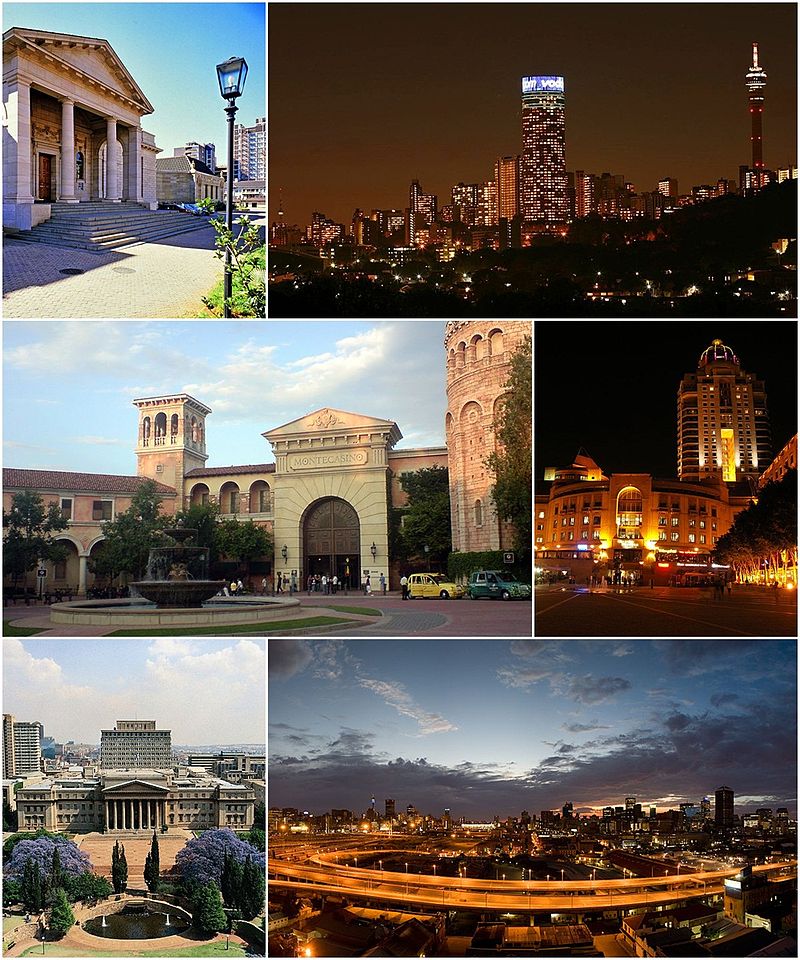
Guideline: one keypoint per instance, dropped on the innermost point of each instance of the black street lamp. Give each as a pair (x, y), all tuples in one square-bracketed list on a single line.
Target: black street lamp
[(231, 76)]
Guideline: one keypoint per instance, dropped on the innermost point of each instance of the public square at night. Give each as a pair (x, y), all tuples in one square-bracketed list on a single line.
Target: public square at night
[(608, 797)]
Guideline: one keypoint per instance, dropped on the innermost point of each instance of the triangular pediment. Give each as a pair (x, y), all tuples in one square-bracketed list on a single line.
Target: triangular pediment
[(329, 421), (92, 58), (136, 787)]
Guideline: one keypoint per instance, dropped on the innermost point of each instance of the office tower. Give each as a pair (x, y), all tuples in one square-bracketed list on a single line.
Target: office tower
[(250, 150), (22, 746), (723, 807), (465, 202), (506, 176), (585, 201), (668, 187), (422, 204), (135, 743), (543, 180), (486, 206), (756, 82), (630, 803), (566, 810), (8, 745), (723, 424), (389, 809), (204, 152)]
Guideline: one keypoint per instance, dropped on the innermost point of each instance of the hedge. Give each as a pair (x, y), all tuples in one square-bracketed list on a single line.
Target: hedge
[(461, 565)]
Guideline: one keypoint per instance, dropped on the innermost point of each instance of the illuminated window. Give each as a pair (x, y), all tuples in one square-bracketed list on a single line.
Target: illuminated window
[(662, 521), (692, 538), (702, 538), (662, 534), (675, 521), (675, 536)]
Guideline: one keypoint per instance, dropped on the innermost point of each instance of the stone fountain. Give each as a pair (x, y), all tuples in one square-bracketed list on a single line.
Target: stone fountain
[(177, 575)]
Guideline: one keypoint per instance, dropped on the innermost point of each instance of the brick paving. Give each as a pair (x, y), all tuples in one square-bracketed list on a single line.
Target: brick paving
[(99, 847), (164, 278)]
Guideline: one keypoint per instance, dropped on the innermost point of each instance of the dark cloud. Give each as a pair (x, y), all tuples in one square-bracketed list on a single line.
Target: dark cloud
[(718, 699), (677, 721), (583, 727), (588, 689), (288, 657)]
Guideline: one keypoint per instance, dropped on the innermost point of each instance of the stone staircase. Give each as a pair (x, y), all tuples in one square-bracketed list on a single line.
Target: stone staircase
[(99, 226)]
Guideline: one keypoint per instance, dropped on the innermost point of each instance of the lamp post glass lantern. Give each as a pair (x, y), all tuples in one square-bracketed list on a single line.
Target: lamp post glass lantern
[(231, 75)]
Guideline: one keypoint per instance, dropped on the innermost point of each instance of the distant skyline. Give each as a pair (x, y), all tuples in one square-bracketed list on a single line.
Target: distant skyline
[(432, 92), (68, 385), (171, 50), (204, 691), (496, 727), (620, 403)]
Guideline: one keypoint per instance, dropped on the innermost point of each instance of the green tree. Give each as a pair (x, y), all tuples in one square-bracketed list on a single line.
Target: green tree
[(511, 462), (208, 914), (426, 519), (129, 538), (9, 818), (257, 837), (203, 517), (87, 886), (32, 888), (231, 880), (61, 916), (56, 873), (260, 815), (119, 868), (242, 542), (152, 866), (12, 891), (251, 892), (29, 529), (249, 298)]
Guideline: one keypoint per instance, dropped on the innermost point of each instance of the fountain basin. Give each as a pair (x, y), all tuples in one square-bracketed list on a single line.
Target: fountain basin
[(178, 593), (138, 922), (221, 611)]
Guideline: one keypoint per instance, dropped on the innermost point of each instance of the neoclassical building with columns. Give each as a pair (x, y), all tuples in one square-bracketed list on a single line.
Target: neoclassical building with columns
[(72, 129)]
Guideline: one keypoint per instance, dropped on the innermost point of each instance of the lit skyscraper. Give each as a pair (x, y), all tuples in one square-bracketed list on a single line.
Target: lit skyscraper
[(543, 180), (506, 175), (756, 82), (723, 807), (723, 422)]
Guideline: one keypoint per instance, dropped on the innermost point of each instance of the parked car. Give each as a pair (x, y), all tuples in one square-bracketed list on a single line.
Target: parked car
[(433, 585), (497, 584)]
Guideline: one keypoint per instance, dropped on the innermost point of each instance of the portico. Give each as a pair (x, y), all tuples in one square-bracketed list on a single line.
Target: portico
[(73, 131), (135, 805)]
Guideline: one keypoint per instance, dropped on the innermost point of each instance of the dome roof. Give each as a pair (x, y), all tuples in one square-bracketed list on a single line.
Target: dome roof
[(718, 351)]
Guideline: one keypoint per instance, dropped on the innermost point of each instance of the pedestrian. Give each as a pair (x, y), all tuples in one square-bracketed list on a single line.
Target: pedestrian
[(278, 584), (334, 584), (233, 588), (310, 583), (239, 586), (367, 585), (775, 590), (404, 586), (730, 585), (325, 583), (263, 586), (383, 584), (363, 583)]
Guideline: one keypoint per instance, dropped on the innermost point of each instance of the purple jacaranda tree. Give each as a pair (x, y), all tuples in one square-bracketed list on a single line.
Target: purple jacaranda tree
[(203, 857), (73, 861)]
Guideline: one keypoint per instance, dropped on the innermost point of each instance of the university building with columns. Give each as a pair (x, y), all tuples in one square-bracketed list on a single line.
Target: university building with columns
[(73, 129)]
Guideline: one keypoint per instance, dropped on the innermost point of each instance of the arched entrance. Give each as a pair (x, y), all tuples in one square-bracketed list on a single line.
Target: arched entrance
[(331, 540)]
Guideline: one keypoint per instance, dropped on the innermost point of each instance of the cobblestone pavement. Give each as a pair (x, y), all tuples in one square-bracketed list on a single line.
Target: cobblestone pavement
[(163, 278)]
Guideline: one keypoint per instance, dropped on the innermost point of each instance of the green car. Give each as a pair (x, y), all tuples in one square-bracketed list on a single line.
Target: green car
[(497, 584)]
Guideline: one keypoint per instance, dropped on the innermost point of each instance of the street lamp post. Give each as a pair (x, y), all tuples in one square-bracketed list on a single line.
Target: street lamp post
[(231, 74)]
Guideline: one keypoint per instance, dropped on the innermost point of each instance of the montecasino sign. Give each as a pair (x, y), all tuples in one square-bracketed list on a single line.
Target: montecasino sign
[(336, 458)]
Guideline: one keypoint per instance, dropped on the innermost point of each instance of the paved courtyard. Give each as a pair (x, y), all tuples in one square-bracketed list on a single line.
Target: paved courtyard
[(99, 847), (163, 278), (663, 612)]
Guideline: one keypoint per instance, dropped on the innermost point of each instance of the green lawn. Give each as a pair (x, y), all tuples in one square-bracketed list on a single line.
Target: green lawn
[(11, 923), (227, 631), (366, 611), (9, 631), (201, 950)]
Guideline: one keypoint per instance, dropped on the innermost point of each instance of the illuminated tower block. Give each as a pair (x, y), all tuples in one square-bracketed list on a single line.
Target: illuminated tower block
[(723, 424), (171, 438), (543, 164), (756, 82)]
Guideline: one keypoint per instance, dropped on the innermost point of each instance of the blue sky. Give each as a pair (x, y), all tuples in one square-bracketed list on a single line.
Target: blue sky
[(206, 691), (68, 385), (171, 50), (495, 727)]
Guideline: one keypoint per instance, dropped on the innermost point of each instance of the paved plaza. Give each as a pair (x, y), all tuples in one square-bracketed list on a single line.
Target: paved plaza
[(162, 278), (99, 847), (572, 611)]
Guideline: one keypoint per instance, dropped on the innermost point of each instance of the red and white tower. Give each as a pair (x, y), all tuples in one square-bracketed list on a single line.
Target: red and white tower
[(756, 82)]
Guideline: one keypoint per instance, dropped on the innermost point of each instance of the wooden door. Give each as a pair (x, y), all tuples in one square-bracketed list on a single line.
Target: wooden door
[(44, 177)]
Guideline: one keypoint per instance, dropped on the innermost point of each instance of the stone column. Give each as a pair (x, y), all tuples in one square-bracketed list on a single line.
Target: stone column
[(112, 159), (68, 151), (17, 165), (83, 569), (124, 814), (134, 184), (113, 805)]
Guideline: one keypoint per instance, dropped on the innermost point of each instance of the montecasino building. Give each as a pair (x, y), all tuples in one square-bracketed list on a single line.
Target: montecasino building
[(326, 497)]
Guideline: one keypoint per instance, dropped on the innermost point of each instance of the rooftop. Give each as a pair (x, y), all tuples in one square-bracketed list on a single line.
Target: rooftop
[(59, 480)]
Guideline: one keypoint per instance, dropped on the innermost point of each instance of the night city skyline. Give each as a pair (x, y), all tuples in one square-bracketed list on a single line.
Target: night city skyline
[(587, 722), (343, 139), (640, 370)]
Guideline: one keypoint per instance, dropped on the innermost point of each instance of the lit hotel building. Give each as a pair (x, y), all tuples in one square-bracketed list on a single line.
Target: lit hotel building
[(723, 424), (543, 171)]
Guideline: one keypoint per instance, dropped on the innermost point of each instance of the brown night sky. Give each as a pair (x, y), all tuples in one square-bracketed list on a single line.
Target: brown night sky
[(365, 97)]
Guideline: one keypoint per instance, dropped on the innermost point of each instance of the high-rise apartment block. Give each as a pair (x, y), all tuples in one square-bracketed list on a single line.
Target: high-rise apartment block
[(506, 176), (422, 204), (250, 150), (135, 744), (543, 180), (723, 807), (723, 424), (22, 746), (204, 152), (668, 187)]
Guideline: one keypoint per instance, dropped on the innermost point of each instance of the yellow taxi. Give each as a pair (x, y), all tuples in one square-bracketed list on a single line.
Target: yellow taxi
[(433, 585)]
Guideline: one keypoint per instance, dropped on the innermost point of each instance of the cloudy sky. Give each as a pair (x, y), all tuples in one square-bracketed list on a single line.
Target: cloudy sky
[(205, 691), (68, 385), (494, 727)]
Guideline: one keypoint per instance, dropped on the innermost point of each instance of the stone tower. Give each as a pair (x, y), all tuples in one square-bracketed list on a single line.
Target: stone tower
[(171, 438), (478, 365)]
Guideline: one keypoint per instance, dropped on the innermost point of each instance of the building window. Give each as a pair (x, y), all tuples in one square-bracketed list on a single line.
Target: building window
[(675, 536), (79, 166), (692, 522), (478, 513), (692, 538), (596, 521), (102, 509), (662, 521), (662, 534), (702, 538), (66, 508), (675, 521)]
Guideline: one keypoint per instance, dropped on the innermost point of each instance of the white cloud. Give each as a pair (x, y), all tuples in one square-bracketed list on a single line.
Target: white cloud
[(396, 695), (99, 441)]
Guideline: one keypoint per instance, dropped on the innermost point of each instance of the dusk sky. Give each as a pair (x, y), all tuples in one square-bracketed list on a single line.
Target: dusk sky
[(171, 50), (496, 727), (363, 98), (68, 385), (206, 692), (612, 387)]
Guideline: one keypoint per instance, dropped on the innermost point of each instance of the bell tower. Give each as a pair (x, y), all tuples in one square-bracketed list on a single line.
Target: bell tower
[(171, 438)]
